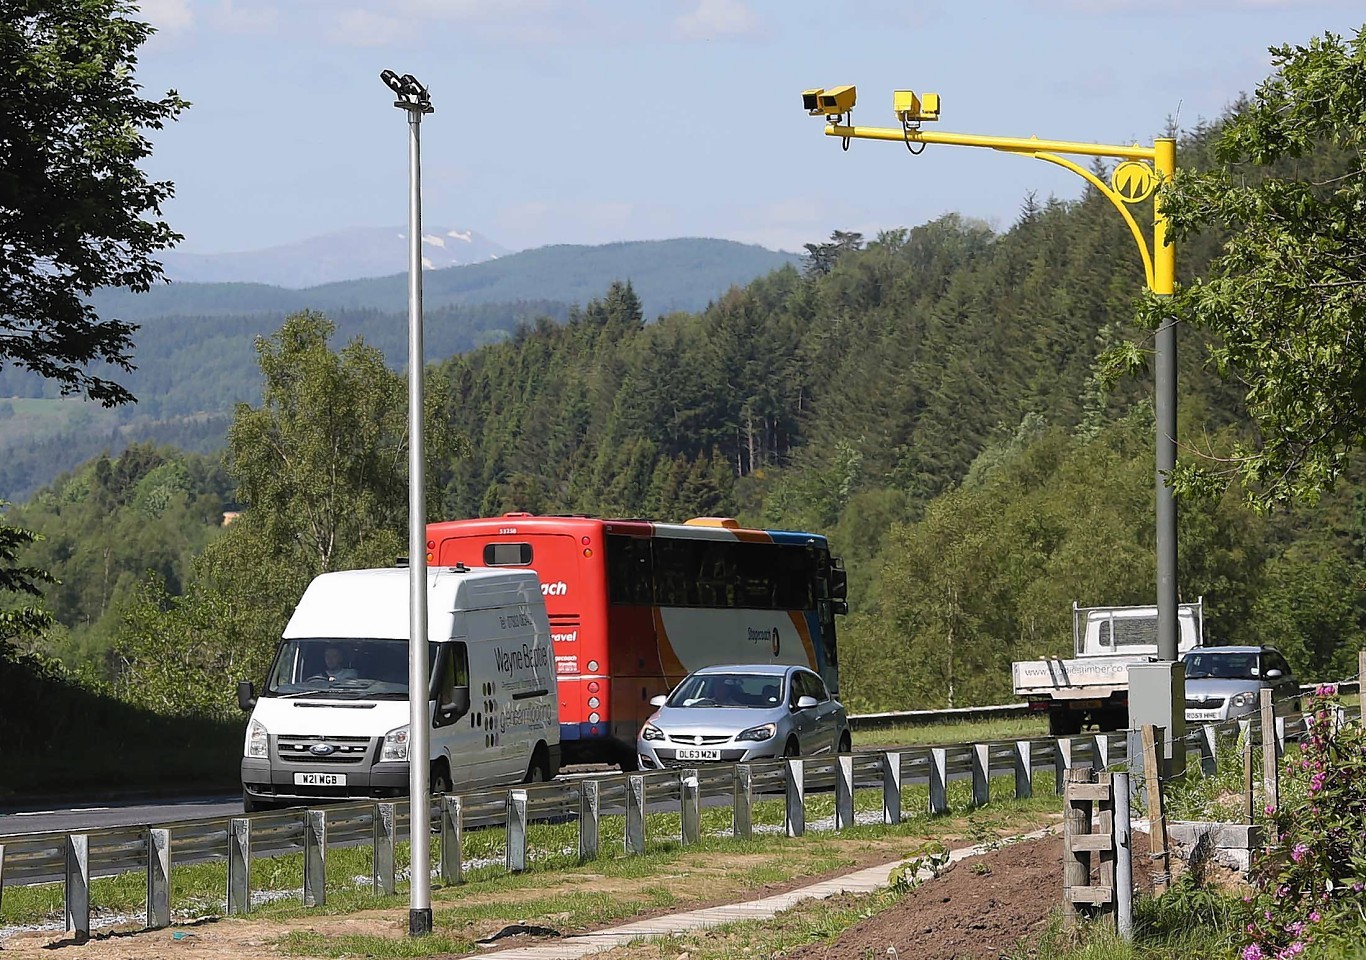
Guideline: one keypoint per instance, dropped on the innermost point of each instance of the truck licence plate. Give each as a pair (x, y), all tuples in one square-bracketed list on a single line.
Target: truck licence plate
[(698, 753), (319, 779)]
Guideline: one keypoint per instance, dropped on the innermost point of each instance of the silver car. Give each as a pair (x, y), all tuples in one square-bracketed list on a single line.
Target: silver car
[(746, 712), (1223, 683)]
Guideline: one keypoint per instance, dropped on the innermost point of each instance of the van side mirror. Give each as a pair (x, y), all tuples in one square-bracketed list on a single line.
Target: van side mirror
[(457, 706), (246, 694), (658, 701)]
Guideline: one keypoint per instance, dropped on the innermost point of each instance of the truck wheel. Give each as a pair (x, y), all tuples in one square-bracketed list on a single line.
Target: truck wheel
[(1063, 723)]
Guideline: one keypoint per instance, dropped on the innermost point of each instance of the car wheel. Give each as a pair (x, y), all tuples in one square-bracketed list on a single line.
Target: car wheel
[(846, 745), (792, 748)]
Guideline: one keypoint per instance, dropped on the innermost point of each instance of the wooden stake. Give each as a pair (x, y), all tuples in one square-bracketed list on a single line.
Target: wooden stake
[(1153, 737)]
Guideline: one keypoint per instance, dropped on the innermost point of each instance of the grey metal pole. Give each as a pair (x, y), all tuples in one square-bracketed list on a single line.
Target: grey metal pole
[(1165, 404), (413, 98)]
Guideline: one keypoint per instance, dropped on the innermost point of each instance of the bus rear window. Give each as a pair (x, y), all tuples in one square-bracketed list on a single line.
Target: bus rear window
[(507, 554)]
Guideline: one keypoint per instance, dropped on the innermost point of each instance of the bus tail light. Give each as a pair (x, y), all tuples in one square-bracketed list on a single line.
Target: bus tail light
[(593, 686)]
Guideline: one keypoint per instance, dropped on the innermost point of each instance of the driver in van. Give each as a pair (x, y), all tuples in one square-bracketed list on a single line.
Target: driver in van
[(333, 659)]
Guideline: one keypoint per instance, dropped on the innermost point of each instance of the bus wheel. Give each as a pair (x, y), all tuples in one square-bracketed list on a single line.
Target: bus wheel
[(627, 760)]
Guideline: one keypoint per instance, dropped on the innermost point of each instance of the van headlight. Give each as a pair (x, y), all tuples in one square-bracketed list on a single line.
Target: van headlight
[(764, 732), (258, 741), (395, 744), (1245, 699), (651, 732)]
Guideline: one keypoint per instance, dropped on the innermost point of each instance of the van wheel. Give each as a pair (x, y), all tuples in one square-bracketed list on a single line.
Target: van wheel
[(440, 782), (792, 748), (251, 805), (846, 745), (539, 769)]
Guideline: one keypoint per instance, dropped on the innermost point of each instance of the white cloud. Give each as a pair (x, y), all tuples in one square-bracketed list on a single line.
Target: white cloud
[(361, 28), (168, 16), (506, 22), (244, 16), (718, 20)]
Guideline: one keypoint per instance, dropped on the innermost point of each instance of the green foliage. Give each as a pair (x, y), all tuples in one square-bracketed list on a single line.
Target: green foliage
[(1284, 298), (1308, 884), (17, 623), (79, 214)]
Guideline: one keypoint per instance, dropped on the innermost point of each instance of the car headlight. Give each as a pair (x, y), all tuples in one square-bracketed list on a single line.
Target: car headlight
[(651, 732), (395, 744), (764, 732), (258, 741), (1245, 699)]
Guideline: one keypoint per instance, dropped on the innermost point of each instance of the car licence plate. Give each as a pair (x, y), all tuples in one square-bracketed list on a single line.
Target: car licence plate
[(1202, 714), (698, 753), (319, 779)]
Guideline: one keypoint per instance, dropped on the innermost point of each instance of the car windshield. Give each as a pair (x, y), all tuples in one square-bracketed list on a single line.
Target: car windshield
[(728, 690), (351, 668), (1224, 666)]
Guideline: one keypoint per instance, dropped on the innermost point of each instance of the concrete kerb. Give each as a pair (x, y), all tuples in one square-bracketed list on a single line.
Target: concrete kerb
[(867, 880)]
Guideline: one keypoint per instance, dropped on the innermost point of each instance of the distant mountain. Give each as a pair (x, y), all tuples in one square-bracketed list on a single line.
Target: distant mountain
[(345, 255), (668, 275)]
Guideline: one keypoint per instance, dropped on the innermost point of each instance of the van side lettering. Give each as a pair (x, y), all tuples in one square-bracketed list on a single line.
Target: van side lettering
[(521, 659)]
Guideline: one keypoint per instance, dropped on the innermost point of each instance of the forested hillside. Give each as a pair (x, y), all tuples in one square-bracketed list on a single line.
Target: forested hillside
[(930, 399)]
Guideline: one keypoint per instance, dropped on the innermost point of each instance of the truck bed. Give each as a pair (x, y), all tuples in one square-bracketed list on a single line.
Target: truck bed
[(1063, 679)]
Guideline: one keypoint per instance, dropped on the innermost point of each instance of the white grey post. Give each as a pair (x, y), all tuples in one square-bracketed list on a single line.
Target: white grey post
[(1279, 724), (844, 791), (516, 831), (453, 840), (1209, 749), (239, 865), (1124, 861), (891, 787), (981, 774), (635, 815), (315, 858), (78, 885), (1100, 752), (383, 862), (1024, 769), (590, 811), (158, 878), (742, 800), (2, 873), (415, 101), (1062, 762), (939, 780), (690, 808), (796, 796)]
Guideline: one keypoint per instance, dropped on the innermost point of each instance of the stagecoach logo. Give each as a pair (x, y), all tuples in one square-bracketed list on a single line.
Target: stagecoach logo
[(556, 589), (321, 749), (765, 636)]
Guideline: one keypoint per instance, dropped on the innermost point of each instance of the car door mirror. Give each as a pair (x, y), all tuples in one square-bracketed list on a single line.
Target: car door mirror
[(658, 701), (806, 703), (246, 695), (1273, 674)]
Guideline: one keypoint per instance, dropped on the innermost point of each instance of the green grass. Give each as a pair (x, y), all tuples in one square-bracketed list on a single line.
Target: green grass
[(957, 731)]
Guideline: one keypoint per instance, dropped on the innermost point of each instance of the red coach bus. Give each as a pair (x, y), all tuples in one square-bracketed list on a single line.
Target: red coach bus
[(635, 606)]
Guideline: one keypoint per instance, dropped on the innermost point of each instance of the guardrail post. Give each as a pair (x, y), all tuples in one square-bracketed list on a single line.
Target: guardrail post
[(239, 865), (844, 791), (78, 885), (590, 809), (690, 808), (516, 831), (939, 780), (452, 839), (1124, 863), (1024, 769), (315, 858), (2, 873), (383, 865), (981, 774), (891, 787), (1209, 749), (742, 799), (158, 878), (1100, 752), (796, 796), (635, 814), (1062, 762), (1280, 736)]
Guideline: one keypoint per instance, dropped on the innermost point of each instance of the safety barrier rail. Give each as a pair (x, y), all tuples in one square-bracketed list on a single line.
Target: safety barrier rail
[(74, 859)]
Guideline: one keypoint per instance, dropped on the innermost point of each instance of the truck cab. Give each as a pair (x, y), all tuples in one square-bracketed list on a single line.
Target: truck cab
[(331, 719)]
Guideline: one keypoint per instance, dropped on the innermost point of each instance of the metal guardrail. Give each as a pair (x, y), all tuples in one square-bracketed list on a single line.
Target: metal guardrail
[(1000, 711), (75, 858)]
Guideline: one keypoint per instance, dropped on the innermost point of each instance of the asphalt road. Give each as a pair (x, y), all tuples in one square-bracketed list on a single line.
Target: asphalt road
[(116, 813)]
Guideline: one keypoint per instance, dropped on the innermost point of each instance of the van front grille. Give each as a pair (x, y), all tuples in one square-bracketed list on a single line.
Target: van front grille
[(329, 750)]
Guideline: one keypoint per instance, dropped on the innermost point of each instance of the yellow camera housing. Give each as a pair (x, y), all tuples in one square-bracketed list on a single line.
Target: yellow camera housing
[(836, 100), (910, 108)]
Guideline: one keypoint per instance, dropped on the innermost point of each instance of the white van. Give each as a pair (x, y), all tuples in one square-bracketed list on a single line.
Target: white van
[(332, 719)]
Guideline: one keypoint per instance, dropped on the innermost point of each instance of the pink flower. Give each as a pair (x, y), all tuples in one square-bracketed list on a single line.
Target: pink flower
[(1270, 810), (1314, 916), (1252, 952), (1298, 853), (1326, 690)]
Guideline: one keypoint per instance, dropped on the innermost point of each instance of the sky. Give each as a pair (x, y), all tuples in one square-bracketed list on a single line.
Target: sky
[(593, 121)]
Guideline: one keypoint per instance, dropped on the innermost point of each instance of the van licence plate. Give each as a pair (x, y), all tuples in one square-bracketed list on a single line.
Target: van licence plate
[(698, 753), (319, 779)]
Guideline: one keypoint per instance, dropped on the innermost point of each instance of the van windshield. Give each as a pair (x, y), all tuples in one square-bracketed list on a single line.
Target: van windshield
[(349, 667)]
